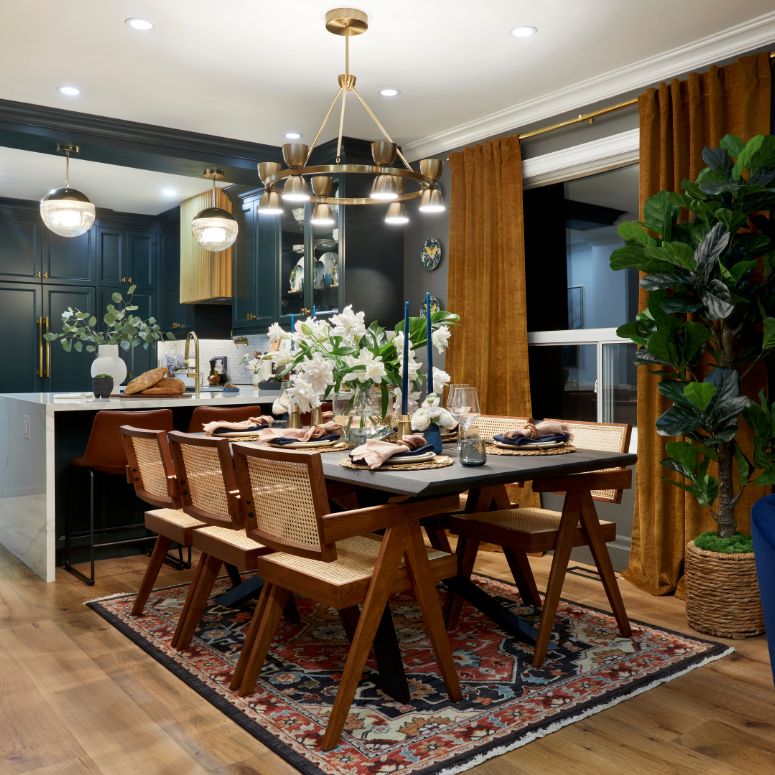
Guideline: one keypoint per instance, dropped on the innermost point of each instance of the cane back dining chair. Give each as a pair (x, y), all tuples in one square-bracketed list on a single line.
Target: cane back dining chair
[(150, 470), (522, 530), (105, 455), (335, 559), (208, 491)]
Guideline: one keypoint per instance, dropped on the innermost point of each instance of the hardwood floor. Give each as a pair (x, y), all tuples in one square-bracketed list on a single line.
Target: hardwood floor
[(76, 696)]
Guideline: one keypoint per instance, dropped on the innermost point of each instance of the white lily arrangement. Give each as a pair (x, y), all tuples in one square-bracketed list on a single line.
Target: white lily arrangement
[(322, 357), (431, 411)]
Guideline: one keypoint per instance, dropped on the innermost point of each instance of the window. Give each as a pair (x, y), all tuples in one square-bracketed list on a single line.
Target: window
[(579, 368)]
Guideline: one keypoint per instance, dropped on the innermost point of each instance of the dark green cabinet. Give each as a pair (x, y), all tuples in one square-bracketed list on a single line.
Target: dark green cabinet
[(125, 256), (31, 364), (20, 245), (69, 260), (173, 316)]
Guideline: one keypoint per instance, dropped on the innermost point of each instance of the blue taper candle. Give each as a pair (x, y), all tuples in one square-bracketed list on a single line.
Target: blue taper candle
[(405, 375), (430, 340), (314, 311), (293, 328)]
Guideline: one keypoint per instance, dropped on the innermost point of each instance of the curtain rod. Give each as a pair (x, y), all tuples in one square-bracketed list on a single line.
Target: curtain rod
[(585, 117)]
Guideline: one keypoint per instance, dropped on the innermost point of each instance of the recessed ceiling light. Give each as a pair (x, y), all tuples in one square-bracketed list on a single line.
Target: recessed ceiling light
[(169, 192), (523, 31), (293, 135), (69, 91), (389, 92), (142, 25)]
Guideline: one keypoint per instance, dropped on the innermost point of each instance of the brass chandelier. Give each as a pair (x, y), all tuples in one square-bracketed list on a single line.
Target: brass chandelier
[(392, 185)]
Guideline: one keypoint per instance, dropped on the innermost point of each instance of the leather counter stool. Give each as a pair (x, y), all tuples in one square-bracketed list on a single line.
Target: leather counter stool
[(105, 455)]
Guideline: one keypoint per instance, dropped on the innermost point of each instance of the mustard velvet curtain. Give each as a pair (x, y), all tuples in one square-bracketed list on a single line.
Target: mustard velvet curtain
[(677, 120), (487, 276)]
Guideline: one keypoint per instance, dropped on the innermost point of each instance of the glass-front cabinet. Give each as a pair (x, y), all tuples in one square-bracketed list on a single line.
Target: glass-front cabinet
[(309, 263)]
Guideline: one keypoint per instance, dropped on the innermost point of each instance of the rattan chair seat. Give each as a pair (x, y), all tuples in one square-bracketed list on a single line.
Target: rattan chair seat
[(237, 539), (355, 561), (176, 517), (525, 519)]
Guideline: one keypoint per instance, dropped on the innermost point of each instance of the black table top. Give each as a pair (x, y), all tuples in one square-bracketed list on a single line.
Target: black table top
[(499, 469)]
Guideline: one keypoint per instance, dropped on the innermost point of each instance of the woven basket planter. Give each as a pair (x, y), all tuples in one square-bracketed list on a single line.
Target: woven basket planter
[(722, 593)]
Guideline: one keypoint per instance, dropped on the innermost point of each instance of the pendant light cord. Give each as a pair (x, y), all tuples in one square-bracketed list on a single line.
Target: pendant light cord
[(67, 169)]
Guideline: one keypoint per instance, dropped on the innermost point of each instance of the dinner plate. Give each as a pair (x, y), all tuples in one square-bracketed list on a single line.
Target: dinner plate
[(534, 445), (404, 459), (306, 444)]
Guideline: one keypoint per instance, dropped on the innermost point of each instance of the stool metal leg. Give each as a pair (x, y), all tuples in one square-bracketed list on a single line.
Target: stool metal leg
[(88, 580)]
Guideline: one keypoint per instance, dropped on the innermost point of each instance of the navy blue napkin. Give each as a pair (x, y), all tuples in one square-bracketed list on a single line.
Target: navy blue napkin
[(252, 429), (282, 440), (521, 441)]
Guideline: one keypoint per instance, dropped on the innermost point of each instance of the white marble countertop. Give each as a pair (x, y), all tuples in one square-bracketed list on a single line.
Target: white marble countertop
[(80, 402)]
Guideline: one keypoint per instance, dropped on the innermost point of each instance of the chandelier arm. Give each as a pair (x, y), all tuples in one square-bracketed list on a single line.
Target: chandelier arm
[(381, 128), (341, 125), (323, 125)]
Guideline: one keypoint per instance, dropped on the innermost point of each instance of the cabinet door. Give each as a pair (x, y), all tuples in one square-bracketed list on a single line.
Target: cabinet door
[(266, 271), (137, 359), (69, 259), (243, 309), (142, 251), (112, 263), (20, 247), (325, 271), (23, 352), (67, 371), (295, 297)]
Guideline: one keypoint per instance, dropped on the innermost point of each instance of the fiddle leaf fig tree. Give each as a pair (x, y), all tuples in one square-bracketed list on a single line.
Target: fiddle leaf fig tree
[(707, 259)]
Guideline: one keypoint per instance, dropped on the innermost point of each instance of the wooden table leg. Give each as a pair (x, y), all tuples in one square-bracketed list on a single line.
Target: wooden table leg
[(590, 524)]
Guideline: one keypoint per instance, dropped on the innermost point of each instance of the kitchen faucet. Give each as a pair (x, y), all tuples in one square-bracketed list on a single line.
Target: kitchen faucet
[(190, 371)]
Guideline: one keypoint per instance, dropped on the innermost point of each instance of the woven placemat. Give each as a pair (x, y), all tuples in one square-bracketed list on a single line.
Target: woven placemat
[(494, 450), (440, 461)]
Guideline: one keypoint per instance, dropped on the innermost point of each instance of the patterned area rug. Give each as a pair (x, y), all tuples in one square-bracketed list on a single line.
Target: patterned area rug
[(507, 703)]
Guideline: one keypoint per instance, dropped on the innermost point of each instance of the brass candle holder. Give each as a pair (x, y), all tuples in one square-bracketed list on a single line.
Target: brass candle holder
[(404, 426), (316, 417), (294, 417)]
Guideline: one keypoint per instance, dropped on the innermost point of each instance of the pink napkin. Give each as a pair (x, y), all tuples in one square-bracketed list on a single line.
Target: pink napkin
[(310, 433), (241, 425), (534, 430), (375, 452)]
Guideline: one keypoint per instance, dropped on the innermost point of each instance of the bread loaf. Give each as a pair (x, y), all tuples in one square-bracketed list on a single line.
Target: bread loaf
[(146, 380), (169, 386)]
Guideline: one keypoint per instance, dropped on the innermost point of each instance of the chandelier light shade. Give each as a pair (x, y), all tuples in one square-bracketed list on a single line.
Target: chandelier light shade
[(322, 216), (391, 185), (66, 211), (214, 228)]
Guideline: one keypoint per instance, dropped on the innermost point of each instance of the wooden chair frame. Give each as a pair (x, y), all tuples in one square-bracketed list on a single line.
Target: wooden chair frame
[(402, 540)]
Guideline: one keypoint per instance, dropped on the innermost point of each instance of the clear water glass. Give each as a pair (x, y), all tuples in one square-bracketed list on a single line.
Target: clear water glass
[(472, 450)]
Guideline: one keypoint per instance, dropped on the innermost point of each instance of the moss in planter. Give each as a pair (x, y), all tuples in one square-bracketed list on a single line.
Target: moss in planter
[(736, 544)]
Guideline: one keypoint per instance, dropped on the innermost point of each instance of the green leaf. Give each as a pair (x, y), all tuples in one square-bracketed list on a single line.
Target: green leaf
[(92, 321), (700, 394), (131, 289), (635, 231), (732, 144), (658, 212), (116, 297), (78, 346), (768, 336), (746, 154)]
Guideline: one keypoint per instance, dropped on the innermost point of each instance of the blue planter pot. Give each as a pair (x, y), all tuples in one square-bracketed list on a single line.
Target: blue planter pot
[(763, 534), (433, 436)]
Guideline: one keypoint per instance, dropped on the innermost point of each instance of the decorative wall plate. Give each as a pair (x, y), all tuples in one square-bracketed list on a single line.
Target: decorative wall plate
[(430, 255), (435, 306)]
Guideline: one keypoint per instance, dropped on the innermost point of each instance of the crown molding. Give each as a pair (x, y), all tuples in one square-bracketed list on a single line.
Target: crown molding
[(745, 37), (601, 155)]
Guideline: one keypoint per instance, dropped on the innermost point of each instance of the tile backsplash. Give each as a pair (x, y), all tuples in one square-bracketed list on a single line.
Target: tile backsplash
[(214, 348)]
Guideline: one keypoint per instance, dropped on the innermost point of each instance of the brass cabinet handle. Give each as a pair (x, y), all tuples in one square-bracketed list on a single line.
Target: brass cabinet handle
[(39, 321), (177, 325), (48, 350), (250, 316), (129, 280), (45, 275), (37, 275)]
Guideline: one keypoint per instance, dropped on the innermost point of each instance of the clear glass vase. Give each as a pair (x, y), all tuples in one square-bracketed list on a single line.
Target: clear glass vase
[(361, 415)]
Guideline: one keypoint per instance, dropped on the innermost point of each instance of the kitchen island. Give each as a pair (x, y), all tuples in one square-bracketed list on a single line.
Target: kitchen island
[(40, 432)]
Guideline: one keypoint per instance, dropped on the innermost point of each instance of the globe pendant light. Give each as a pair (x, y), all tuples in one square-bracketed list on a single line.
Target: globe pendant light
[(214, 228), (66, 211)]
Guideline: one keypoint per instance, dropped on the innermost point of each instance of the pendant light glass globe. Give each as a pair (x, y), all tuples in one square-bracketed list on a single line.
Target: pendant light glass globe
[(432, 201), (397, 215), (67, 212), (215, 229)]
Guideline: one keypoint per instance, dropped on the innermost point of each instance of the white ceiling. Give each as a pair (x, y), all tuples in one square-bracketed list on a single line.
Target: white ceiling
[(253, 69), (27, 175)]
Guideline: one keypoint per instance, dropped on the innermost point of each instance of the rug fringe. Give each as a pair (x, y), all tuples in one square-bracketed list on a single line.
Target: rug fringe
[(558, 725)]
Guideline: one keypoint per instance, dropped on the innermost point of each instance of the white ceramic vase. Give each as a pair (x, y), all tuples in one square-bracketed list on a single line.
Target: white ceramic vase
[(108, 362)]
